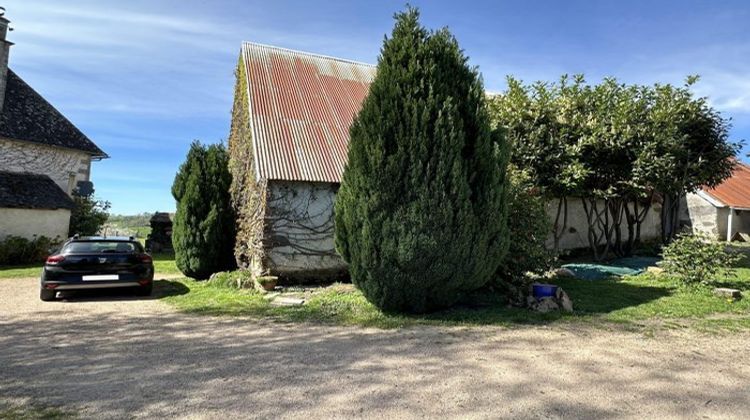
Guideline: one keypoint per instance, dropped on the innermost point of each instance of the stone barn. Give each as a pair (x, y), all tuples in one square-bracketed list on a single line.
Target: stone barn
[(723, 212), (288, 145)]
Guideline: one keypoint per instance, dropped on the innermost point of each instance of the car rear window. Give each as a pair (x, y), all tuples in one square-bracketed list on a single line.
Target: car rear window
[(103, 247)]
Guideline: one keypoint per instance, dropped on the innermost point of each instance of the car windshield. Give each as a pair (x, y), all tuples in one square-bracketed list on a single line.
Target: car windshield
[(101, 247)]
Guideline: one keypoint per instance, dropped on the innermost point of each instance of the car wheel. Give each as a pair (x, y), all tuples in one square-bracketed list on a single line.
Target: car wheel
[(145, 290), (47, 295)]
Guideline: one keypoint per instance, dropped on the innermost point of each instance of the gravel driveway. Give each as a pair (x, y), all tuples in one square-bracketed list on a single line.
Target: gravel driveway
[(117, 356)]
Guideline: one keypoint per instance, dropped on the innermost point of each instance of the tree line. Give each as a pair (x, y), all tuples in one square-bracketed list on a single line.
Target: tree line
[(616, 147)]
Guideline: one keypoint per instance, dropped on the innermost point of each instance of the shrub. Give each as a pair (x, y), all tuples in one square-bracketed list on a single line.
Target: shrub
[(203, 230), (238, 279), (15, 250), (88, 214), (695, 260), (421, 213), (528, 230)]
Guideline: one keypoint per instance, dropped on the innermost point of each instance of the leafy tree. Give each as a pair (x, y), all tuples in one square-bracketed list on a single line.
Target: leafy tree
[(421, 212), (88, 214), (690, 149), (615, 147), (540, 128), (203, 230)]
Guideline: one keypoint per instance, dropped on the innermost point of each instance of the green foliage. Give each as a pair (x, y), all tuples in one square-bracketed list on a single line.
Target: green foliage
[(421, 213), (542, 122), (203, 231), (626, 301), (88, 214), (238, 279), (614, 146), (528, 228), (697, 261), (248, 194), (15, 250)]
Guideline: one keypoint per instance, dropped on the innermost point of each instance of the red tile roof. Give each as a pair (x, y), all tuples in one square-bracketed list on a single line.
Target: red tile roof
[(301, 107), (735, 191)]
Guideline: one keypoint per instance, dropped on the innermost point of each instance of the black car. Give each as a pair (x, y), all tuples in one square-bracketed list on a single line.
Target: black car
[(97, 263)]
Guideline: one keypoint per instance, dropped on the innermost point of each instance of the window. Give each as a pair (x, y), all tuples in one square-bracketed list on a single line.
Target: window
[(71, 183), (102, 247)]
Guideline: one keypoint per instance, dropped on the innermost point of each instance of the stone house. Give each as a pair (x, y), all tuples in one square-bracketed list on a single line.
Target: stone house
[(288, 146), (723, 212), (43, 158)]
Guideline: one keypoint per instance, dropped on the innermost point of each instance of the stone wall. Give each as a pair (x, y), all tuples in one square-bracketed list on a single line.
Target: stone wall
[(298, 238), (64, 166), (575, 236), (29, 222), (704, 217)]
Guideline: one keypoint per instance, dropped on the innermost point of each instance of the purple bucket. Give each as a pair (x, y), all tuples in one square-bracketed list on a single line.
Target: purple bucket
[(544, 290)]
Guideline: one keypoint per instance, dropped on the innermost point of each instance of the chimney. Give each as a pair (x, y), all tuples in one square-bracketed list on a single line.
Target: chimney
[(4, 50)]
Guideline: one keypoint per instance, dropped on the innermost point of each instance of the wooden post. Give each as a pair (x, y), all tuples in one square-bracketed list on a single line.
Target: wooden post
[(729, 225)]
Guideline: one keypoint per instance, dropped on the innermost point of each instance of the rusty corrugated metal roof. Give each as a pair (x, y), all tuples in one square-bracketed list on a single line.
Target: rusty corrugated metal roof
[(735, 191), (301, 107)]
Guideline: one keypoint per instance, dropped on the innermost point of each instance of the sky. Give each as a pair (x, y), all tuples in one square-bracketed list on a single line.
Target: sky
[(143, 79)]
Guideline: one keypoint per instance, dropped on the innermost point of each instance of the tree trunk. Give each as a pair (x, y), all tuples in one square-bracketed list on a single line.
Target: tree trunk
[(559, 230), (670, 217)]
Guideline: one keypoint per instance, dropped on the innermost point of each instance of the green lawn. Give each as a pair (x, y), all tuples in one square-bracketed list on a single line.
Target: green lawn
[(640, 302), (20, 271), (163, 265)]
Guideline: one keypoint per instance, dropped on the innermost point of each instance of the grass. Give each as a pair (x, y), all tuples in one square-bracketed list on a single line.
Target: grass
[(639, 302), (643, 301), (163, 265), (20, 271)]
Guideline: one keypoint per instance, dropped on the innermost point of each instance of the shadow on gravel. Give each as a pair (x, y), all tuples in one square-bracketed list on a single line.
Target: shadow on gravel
[(123, 365)]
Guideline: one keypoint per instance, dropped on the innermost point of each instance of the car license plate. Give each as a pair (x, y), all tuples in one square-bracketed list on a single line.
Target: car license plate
[(101, 277)]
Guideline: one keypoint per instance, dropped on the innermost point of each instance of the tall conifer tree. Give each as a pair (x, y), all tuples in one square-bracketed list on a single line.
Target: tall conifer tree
[(203, 232), (421, 213)]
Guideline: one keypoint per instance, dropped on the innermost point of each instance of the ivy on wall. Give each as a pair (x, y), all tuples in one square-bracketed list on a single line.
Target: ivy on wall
[(248, 194)]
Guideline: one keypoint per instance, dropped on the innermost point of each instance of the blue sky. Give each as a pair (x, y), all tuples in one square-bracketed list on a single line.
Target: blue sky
[(144, 78)]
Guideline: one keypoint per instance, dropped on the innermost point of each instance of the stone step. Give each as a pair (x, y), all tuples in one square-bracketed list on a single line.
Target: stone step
[(728, 293), (287, 301)]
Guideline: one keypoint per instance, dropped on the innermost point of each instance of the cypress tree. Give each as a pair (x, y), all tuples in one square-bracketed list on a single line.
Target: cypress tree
[(421, 212), (203, 231)]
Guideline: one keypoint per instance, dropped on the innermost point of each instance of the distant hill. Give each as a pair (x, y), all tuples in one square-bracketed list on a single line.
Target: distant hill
[(128, 225)]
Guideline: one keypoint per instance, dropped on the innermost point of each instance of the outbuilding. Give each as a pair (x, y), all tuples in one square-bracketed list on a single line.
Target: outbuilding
[(288, 147), (723, 212)]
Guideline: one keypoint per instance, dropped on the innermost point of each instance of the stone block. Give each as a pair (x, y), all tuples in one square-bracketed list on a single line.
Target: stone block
[(287, 301), (728, 293)]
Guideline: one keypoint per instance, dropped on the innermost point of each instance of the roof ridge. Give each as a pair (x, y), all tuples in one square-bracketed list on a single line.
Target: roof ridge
[(289, 50)]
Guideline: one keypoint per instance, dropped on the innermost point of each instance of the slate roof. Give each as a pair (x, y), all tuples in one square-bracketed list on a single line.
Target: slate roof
[(26, 115), (31, 191), (301, 107), (735, 190)]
